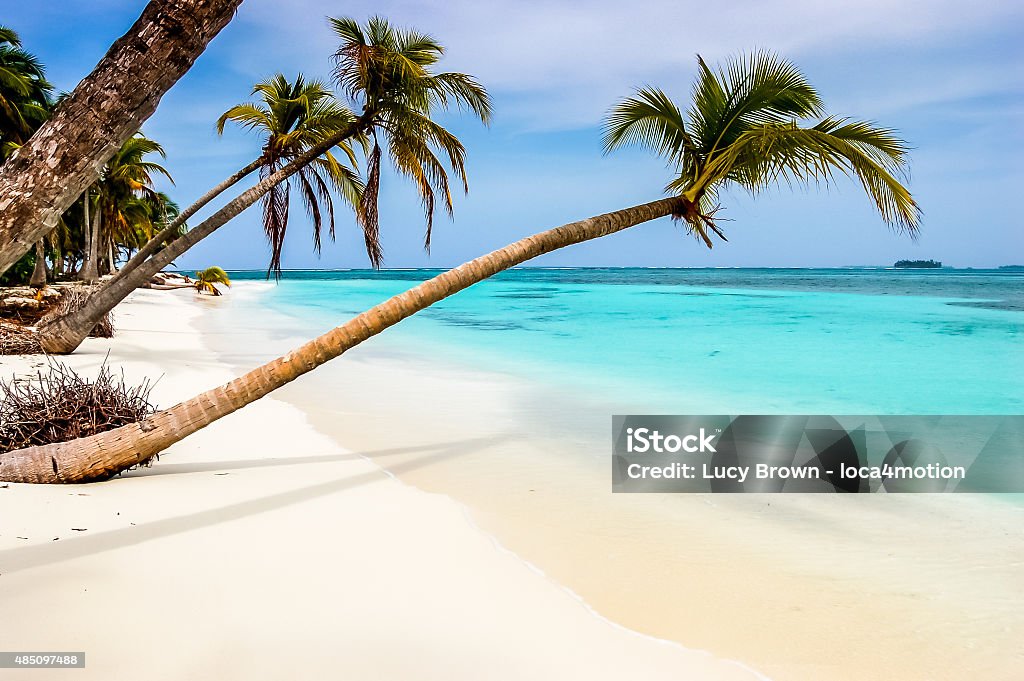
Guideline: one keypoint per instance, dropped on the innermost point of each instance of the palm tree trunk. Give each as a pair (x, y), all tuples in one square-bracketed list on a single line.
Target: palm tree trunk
[(154, 244), (63, 335), (91, 268), (88, 272), (38, 279), (46, 175), (101, 456), (111, 260)]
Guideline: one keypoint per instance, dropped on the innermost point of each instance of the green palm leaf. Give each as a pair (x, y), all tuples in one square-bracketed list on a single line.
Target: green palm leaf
[(743, 128)]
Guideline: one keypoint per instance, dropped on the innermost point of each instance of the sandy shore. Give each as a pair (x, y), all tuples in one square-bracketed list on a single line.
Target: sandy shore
[(802, 588), (261, 549)]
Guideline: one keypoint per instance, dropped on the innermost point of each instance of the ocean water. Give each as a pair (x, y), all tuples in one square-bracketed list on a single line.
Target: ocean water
[(709, 340)]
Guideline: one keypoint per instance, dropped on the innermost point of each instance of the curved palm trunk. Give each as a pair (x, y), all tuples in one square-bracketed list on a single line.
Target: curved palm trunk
[(38, 279), (64, 335), (101, 456), (154, 244)]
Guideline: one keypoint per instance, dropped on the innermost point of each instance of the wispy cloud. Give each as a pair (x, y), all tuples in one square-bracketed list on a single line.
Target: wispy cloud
[(559, 64)]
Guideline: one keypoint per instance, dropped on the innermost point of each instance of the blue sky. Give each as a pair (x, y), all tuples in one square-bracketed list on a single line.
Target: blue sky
[(947, 74)]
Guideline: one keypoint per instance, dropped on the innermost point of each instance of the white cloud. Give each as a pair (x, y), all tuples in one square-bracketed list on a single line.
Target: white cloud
[(560, 63)]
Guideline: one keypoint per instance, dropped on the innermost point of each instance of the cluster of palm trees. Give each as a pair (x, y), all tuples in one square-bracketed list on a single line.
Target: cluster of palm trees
[(310, 143), (116, 215), (750, 124)]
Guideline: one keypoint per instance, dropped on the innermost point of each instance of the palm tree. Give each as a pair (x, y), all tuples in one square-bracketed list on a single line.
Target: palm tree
[(398, 95), (388, 71), (24, 93), (207, 280), (24, 106), (122, 192), (751, 98), (160, 210), (295, 116), (66, 154), (743, 129)]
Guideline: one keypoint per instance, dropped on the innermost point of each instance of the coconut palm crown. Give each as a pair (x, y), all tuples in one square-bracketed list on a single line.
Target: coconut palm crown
[(24, 93), (295, 116), (388, 72), (207, 279), (126, 196), (743, 128)]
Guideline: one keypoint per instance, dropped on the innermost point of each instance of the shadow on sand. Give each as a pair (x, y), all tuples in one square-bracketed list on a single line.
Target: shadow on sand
[(39, 555)]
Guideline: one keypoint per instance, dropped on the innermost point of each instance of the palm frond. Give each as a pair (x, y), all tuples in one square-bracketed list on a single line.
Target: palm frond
[(743, 128), (313, 191), (10, 36), (275, 222), (648, 119), (250, 116), (367, 215), (464, 91)]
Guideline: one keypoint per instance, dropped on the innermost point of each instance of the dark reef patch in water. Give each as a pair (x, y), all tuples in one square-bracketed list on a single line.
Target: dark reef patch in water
[(990, 304)]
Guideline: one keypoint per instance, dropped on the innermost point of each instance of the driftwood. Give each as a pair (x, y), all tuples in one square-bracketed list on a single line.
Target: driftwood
[(61, 405), (25, 304)]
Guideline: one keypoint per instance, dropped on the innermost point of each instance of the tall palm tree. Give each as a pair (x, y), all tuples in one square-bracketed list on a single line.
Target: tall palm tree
[(399, 94), (293, 117), (388, 71), (127, 178), (24, 105), (155, 211), (746, 100)]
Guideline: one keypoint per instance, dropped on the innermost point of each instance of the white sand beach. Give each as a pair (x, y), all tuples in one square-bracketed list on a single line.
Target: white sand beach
[(260, 549)]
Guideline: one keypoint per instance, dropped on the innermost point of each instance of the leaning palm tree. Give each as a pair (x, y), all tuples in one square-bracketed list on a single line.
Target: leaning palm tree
[(742, 128), (389, 74), (295, 116)]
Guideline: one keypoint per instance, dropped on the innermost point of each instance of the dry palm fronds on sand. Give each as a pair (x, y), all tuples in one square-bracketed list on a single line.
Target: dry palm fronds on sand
[(61, 405), (18, 340)]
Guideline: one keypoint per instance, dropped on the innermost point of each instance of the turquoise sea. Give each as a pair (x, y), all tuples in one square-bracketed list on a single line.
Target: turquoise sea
[(709, 340)]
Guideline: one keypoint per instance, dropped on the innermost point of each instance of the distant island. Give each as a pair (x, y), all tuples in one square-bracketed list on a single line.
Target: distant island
[(918, 264), (1012, 268)]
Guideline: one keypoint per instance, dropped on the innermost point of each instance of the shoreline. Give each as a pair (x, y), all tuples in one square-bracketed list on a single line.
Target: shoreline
[(884, 594), (245, 538)]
